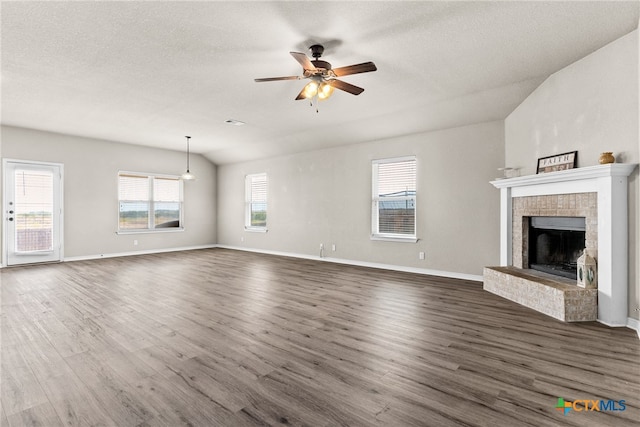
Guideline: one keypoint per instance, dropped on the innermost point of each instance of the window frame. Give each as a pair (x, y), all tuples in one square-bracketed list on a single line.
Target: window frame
[(375, 212), (151, 227), (248, 200)]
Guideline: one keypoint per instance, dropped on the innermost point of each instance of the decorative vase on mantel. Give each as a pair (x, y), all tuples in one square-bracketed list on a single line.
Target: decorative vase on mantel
[(606, 158)]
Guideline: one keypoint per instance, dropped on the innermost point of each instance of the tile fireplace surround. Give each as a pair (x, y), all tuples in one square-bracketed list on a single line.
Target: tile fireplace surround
[(598, 193)]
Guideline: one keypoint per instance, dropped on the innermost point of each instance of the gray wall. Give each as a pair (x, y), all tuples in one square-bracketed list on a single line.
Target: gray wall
[(590, 106), (91, 190), (325, 197)]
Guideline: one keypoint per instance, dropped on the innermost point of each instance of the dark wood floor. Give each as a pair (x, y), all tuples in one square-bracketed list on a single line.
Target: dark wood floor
[(220, 337)]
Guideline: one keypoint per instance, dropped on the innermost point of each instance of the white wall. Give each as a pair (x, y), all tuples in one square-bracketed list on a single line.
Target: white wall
[(590, 106), (91, 190), (325, 197)]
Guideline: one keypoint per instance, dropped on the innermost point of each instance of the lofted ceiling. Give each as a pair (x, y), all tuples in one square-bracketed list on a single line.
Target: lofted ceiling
[(151, 72)]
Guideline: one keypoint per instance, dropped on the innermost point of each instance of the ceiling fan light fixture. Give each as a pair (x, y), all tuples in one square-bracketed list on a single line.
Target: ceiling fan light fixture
[(310, 90), (325, 90)]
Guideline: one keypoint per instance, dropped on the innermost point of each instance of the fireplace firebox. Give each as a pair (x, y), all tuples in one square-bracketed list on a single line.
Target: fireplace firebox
[(555, 244)]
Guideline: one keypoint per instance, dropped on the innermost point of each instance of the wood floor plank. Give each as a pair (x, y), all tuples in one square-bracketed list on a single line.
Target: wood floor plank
[(113, 393), (20, 388), (225, 338), (74, 403), (337, 383), (41, 415), (3, 417), (171, 406), (216, 381), (203, 405)]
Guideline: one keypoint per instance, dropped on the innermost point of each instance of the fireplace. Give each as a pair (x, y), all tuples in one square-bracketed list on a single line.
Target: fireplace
[(555, 243), (597, 193)]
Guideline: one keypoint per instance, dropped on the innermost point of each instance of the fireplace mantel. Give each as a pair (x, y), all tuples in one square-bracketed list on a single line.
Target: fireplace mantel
[(586, 173), (610, 182)]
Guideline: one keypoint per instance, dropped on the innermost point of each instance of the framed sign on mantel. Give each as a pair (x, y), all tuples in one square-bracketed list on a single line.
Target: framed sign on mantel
[(558, 162)]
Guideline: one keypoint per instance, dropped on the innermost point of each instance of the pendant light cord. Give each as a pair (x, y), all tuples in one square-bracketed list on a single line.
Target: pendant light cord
[(188, 153)]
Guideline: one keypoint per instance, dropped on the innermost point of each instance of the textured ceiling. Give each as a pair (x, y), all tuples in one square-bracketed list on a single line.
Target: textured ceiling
[(151, 72)]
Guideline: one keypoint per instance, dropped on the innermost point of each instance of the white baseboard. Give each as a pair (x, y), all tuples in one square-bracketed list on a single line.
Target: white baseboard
[(634, 324), (392, 267), (133, 253)]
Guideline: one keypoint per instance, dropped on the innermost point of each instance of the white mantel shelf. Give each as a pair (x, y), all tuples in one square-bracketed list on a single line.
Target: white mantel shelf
[(589, 172), (610, 182)]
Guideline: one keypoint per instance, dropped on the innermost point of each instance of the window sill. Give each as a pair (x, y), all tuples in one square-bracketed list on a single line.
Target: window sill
[(394, 239), (157, 230), (256, 229)]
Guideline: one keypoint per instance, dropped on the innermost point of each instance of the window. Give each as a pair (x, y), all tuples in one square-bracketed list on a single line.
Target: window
[(149, 202), (256, 202), (394, 199)]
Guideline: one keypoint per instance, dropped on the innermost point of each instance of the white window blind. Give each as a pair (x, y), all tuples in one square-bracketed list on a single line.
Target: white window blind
[(394, 198), (34, 193), (148, 202), (166, 202), (256, 201), (134, 202)]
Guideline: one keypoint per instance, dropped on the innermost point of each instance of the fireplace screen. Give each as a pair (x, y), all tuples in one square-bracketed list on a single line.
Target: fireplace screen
[(555, 244)]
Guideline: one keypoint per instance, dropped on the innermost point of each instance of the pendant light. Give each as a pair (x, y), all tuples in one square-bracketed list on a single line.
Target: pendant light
[(188, 176)]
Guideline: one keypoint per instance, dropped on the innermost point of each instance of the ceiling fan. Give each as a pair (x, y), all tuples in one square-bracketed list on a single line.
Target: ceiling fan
[(323, 77)]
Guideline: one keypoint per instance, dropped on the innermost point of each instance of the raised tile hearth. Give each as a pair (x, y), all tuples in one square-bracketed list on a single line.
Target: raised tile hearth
[(552, 295), (597, 193)]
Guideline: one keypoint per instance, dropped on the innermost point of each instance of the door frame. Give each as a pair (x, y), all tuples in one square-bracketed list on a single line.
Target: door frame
[(60, 225)]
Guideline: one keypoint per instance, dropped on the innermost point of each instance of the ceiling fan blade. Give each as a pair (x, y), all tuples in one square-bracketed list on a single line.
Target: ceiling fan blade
[(303, 60), (347, 87), (365, 67), (273, 79)]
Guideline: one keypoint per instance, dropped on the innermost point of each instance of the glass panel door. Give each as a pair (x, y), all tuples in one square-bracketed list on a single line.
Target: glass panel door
[(32, 212)]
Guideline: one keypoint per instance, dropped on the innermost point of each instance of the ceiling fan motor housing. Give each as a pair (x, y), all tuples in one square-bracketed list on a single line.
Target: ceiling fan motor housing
[(316, 50), (321, 64)]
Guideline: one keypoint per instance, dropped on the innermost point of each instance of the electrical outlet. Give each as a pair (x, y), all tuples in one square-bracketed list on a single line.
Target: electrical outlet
[(421, 255), (135, 243), (321, 246), (333, 247)]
